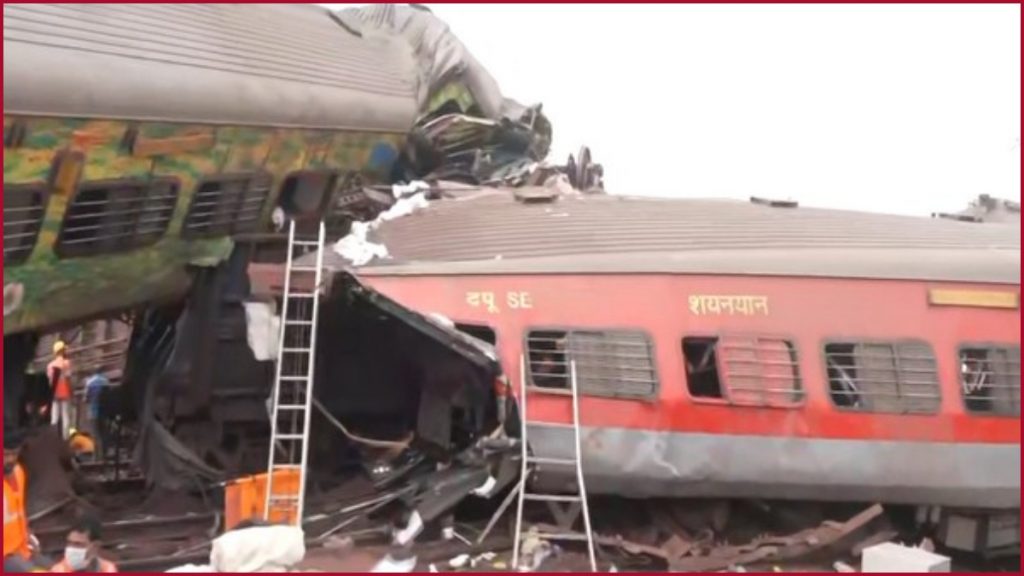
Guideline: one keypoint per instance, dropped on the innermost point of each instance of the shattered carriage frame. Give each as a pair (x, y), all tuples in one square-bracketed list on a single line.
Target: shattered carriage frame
[(151, 154)]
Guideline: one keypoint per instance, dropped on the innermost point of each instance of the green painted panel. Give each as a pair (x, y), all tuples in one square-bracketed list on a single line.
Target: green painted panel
[(60, 291)]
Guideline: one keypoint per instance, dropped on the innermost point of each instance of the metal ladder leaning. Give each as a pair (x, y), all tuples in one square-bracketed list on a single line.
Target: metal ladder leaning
[(575, 461), (293, 383)]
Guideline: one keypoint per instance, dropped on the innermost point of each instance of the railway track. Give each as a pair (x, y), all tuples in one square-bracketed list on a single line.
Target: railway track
[(128, 537)]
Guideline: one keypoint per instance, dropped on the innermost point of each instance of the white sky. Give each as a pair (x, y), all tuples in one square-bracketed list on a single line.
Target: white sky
[(905, 109)]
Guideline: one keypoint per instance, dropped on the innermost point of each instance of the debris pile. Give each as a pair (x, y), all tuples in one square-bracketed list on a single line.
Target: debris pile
[(357, 249)]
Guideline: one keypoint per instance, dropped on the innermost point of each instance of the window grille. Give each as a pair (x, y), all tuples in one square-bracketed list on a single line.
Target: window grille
[(990, 379), (616, 363), (227, 205), (883, 377), (24, 209), (113, 216)]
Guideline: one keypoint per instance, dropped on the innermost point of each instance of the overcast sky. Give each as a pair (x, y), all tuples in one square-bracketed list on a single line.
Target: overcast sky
[(906, 109)]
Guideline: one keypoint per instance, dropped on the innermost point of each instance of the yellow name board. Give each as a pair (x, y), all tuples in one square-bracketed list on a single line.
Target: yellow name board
[(974, 298)]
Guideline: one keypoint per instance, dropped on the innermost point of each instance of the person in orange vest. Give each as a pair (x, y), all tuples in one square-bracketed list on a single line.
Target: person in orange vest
[(82, 445), (20, 547), (82, 551), (58, 372)]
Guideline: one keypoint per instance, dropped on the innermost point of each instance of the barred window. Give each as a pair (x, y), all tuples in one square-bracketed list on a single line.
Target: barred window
[(227, 205), (896, 378), (616, 363), (743, 370), (24, 208), (113, 216), (990, 379)]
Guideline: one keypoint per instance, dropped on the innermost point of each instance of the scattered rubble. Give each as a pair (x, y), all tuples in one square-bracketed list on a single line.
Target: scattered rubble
[(357, 249)]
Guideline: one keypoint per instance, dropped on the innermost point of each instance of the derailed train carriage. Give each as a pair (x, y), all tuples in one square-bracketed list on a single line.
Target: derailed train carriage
[(729, 349), (151, 153)]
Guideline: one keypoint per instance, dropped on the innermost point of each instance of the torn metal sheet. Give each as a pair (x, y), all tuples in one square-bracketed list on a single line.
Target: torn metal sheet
[(476, 351)]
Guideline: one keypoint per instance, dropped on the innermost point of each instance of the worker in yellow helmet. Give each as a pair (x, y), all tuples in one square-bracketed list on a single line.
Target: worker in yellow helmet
[(58, 372), (81, 444)]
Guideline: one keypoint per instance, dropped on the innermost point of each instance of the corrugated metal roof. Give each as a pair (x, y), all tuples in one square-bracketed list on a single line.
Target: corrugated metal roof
[(493, 233), (221, 63)]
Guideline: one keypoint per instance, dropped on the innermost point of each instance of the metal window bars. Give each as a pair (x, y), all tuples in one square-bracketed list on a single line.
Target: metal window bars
[(227, 205), (24, 209), (900, 378), (990, 379), (111, 217), (759, 371), (610, 363)]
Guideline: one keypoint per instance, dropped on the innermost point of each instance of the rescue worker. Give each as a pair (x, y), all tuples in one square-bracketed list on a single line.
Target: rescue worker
[(19, 545), (58, 372), (94, 388), (82, 551), (82, 445)]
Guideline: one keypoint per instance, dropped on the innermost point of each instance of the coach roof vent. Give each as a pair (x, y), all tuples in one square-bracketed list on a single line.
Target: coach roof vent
[(774, 203), (957, 217), (536, 195)]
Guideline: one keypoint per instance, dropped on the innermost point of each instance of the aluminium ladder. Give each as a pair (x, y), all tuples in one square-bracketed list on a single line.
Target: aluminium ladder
[(528, 460), (293, 384)]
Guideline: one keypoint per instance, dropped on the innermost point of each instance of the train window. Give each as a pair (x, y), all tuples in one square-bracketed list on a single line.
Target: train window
[(305, 194), (480, 332), (617, 363), (112, 216), (883, 377), (990, 379), (24, 208), (743, 370), (226, 205)]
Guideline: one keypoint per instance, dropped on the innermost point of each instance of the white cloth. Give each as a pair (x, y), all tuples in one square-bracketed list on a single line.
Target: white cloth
[(263, 327), (356, 246), (192, 569), (258, 549), (389, 565)]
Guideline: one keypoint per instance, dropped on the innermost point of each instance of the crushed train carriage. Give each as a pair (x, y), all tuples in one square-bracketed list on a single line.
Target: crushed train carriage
[(152, 153)]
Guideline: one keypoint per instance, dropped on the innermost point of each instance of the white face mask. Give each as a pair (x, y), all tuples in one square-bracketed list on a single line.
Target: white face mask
[(76, 557)]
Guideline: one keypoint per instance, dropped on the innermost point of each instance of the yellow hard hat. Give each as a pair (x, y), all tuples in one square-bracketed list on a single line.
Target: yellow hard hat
[(59, 346)]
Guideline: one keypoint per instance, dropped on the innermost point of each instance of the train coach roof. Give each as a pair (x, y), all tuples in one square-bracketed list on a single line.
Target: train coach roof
[(266, 65), (492, 232)]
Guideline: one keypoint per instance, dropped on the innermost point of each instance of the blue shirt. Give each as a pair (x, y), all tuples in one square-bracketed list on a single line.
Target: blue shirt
[(93, 385)]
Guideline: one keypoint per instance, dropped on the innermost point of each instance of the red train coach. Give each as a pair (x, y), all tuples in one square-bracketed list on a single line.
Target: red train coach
[(740, 349)]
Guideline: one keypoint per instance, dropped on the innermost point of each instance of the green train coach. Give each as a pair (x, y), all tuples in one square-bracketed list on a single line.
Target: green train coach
[(143, 141)]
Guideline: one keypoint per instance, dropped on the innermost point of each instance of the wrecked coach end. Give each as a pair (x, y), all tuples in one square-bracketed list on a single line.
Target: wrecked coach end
[(395, 368)]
